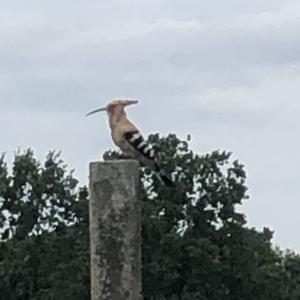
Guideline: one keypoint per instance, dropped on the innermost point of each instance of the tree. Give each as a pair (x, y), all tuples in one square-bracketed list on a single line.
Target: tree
[(195, 242), (196, 245), (44, 230)]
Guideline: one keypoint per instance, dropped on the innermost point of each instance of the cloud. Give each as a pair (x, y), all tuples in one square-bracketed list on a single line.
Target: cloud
[(226, 72)]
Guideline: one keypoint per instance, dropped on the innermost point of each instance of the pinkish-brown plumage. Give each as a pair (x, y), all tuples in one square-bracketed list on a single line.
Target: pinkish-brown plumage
[(127, 137)]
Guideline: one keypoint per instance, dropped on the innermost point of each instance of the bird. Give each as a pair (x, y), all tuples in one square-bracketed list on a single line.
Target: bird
[(129, 139)]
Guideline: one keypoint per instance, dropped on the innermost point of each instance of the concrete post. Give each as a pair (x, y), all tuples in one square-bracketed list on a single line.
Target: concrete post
[(115, 230)]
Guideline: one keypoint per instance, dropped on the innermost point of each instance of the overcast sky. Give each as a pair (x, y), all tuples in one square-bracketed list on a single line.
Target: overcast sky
[(227, 72)]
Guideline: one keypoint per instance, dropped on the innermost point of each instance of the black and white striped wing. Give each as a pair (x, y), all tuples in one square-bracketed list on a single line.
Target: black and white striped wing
[(136, 140)]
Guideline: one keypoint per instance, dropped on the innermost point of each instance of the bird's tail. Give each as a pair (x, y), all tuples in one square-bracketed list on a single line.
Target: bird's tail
[(162, 176)]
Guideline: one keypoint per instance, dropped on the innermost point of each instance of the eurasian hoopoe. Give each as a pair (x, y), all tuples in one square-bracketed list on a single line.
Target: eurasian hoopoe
[(128, 138)]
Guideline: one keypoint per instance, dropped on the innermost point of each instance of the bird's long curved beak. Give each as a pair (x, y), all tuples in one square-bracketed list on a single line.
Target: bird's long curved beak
[(96, 111)]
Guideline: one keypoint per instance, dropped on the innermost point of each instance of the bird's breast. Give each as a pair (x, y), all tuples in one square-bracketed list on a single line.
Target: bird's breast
[(117, 136)]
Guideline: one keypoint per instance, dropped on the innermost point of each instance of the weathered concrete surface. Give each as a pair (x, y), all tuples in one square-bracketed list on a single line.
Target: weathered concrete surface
[(115, 230)]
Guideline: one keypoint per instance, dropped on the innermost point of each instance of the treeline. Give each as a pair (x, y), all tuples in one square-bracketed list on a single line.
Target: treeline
[(196, 246)]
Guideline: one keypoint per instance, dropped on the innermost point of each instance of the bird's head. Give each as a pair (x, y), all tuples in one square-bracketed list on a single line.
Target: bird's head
[(113, 106)]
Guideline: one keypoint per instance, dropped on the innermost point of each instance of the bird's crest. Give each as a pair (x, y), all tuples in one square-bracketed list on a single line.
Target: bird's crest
[(114, 103), (123, 102)]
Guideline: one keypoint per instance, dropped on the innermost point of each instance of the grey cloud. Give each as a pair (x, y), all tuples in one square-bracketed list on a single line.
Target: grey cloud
[(226, 72), (167, 56)]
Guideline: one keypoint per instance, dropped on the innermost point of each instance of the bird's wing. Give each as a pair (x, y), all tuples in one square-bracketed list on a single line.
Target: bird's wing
[(136, 140)]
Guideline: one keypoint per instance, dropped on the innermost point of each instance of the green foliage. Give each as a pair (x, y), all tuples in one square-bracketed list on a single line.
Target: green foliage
[(202, 249), (195, 242), (44, 231)]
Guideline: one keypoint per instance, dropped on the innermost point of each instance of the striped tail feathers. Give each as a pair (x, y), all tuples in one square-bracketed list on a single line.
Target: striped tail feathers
[(167, 180), (136, 140)]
